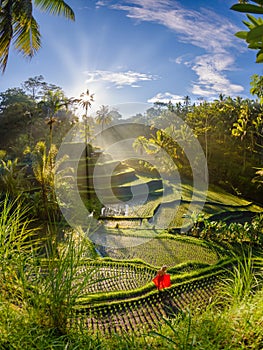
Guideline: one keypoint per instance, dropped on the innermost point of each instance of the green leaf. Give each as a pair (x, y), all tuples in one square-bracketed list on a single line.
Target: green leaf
[(254, 20), (255, 34), (247, 8), (260, 57), (27, 37), (241, 35), (249, 25)]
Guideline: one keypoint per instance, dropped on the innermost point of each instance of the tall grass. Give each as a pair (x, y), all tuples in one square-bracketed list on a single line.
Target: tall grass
[(37, 295), (181, 337), (45, 289), (62, 281), (241, 281), (17, 243)]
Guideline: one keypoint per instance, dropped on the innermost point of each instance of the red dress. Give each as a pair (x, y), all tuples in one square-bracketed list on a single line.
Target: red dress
[(162, 281)]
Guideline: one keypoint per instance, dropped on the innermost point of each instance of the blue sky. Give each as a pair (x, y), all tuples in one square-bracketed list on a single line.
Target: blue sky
[(130, 53)]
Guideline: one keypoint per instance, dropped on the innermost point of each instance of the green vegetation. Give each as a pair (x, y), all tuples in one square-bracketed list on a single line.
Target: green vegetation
[(253, 36), (167, 249), (60, 290)]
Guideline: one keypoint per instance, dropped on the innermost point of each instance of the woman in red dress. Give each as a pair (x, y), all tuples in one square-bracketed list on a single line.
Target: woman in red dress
[(162, 280)]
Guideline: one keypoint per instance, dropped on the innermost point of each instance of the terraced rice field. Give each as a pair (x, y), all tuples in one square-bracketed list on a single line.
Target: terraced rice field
[(149, 308), (177, 209), (111, 277), (121, 296), (166, 249)]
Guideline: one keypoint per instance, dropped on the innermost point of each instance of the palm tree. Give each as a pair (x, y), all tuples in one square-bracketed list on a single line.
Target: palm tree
[(18, 25), (141, 144), (85, 101), (221, 98), (53, 102), (187, 102), (104, 116)]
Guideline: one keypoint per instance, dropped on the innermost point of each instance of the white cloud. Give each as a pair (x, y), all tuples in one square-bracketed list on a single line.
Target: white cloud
[(101, 3), (178, 60), (119, 79), (211, 78), (166, 97), (204, 29)]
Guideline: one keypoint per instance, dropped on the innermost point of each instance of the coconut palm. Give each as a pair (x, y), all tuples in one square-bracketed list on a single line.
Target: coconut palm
[(104, 116), (18, 25), (85, 101), (187, 102)]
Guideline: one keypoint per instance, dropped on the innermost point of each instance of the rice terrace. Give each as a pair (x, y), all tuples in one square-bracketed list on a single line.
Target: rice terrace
[(131, 225), (130, 249)]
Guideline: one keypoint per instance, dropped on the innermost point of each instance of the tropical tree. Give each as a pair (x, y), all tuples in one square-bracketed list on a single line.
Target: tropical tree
[(244, 128), (25, 112), (200, 118), (221, 98), (187, 102), (17, 112), (33, 85), (43, 163), (52, 102), (18, 25), (12, 97), (104, 116), (141, 144), (160, 140), (85, 101)]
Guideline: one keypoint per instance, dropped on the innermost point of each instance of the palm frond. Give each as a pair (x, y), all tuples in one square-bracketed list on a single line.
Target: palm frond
[(17, 23), (56, 7), (6, 32), (27, 38), (22, 8), (25, 28)]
